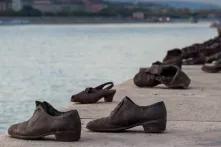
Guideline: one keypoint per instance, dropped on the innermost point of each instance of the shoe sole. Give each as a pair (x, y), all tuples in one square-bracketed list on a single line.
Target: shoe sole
[(108, 98), (211, 70), (66, 136), (155, 126)]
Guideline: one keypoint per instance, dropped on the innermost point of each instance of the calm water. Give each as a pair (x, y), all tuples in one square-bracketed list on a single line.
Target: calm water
[(51, 62)]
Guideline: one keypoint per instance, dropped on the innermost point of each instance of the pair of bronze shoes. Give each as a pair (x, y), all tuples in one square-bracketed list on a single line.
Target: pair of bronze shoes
[(66, 126), (126, 115), (159, 73)]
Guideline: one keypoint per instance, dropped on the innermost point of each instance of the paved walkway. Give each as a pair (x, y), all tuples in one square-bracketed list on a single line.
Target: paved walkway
[(194, 117)]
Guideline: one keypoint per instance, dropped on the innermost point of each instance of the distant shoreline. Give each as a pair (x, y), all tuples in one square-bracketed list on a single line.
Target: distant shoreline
[(75, 20)]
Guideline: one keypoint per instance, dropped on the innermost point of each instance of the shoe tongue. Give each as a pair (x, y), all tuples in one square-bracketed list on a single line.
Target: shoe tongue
[(41, 104), (89, 90), (116, 109), (38, 103)]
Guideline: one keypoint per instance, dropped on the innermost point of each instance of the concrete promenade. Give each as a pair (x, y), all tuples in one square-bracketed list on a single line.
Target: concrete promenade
[(194, 117)]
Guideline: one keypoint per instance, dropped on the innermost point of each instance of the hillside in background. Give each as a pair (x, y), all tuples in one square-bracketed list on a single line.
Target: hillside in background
[(179, 3), (190, 5), (148, 10)]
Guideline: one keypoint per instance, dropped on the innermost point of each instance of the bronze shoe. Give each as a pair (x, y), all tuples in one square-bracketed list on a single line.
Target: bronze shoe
[(144, 78), (212, 68), (46, 120), (171, 76), (213, 57), (197, 60), (127, 115), (93, 95), (174, 57)]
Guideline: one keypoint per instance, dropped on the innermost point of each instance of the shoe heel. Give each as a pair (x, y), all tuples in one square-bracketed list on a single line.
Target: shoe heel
[(110, 97), (67, 136), (157, 126)]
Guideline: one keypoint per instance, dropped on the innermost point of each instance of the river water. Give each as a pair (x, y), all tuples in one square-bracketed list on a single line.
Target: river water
[(52, 62)]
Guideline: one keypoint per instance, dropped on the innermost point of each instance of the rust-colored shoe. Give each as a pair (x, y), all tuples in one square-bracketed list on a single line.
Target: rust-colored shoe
[(127, 115), (93, 95), (212, 68), (46, 120)]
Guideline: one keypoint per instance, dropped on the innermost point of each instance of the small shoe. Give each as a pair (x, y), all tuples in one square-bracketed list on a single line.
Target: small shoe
[(213, 57), (174, 57), (191, 51), (46, 120), (93, 95), (172, 76), (144, 78), (127, 115), (198, 60), (212, 68)]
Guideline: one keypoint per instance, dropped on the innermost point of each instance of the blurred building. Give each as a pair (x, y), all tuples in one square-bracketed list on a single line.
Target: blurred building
[(164, 19), (138, 15), (5, 5), (93, 5), (54, 6), (16, 5), (26, 2)]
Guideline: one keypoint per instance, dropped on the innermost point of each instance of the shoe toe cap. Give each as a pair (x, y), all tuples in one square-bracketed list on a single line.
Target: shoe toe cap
[(92, 125), (101, 125), (12, 130), (97, 124), (74, 98)]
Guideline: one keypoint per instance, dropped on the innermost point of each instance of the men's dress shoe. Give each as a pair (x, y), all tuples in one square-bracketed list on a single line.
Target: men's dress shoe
[(171, 76), (46, 120), (174, 57), (127, 115), (92, 95), (212, 68)]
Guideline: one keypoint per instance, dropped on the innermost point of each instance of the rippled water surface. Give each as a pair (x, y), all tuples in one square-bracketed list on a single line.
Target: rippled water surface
[(52, 62)]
